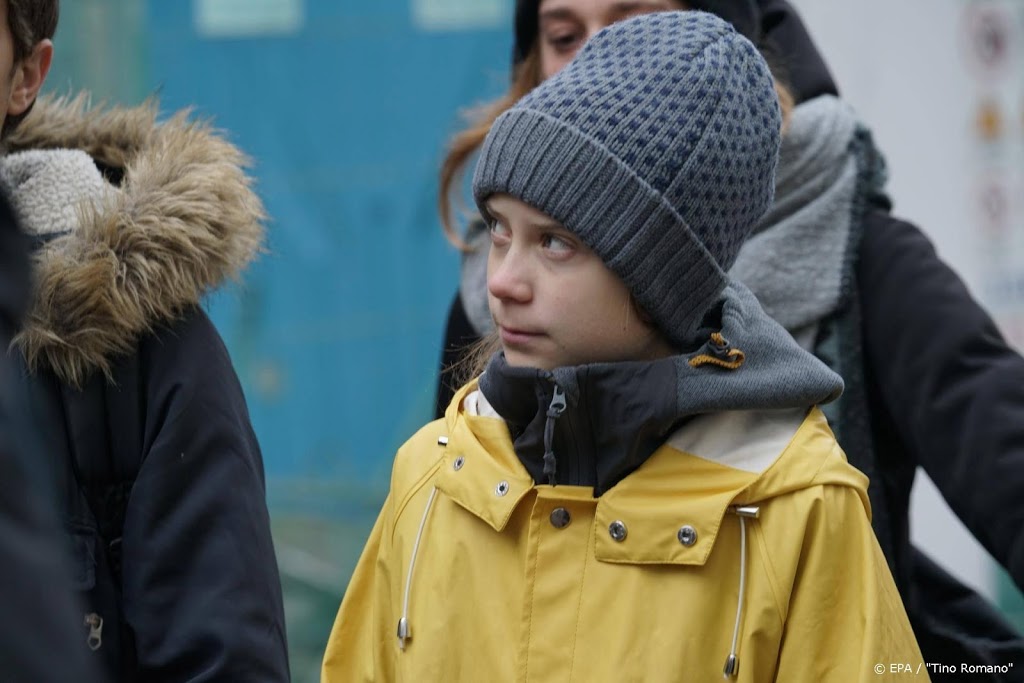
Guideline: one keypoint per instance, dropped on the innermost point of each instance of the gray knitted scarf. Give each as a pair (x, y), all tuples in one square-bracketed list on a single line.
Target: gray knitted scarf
[(798, 261)]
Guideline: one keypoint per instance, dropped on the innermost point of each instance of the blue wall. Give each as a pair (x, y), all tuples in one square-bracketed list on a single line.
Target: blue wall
[(336, 331)]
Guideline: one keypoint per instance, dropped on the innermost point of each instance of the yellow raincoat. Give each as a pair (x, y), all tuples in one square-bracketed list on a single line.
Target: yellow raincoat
[(744, 539)]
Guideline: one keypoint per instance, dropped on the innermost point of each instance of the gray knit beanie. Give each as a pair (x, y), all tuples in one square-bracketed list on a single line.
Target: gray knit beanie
[(657, 146)]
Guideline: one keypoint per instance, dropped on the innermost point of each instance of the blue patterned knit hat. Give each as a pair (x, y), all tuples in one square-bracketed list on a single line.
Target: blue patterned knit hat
[(657, 146)]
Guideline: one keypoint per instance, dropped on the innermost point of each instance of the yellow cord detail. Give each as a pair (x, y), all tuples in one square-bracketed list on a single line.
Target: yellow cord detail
[(724, 356)]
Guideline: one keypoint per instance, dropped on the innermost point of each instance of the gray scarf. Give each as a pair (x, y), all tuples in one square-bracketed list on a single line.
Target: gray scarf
[(798, 260)]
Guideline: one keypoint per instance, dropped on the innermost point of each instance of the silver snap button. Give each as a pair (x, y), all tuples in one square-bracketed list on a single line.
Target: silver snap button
[(617, 530), (501, 489), (560, 518), (459, 462), (687, 535)]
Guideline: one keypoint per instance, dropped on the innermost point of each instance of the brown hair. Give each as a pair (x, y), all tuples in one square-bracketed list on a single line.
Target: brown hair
[(30, 22), (525, 78)]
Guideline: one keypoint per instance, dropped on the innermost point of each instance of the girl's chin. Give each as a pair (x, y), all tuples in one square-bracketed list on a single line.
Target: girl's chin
[(518, 359)]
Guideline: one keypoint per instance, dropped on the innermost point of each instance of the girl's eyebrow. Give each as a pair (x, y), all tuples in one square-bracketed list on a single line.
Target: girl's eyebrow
[(556, 13), (541, 225)]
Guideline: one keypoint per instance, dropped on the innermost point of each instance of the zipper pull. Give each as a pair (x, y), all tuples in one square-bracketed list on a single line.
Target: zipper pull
[(556, 408), (95, 624)]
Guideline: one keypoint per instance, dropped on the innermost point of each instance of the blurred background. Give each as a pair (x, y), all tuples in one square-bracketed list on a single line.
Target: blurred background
[(345, 108)]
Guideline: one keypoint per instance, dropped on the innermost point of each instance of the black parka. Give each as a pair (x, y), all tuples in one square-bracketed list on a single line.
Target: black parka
[(142, 419)]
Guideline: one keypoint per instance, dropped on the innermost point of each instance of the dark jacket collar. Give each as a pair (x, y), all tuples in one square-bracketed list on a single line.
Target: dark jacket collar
[(609, 419)]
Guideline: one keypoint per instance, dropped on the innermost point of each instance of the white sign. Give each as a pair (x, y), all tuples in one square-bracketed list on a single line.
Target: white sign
[(461, 15), (247, 18)]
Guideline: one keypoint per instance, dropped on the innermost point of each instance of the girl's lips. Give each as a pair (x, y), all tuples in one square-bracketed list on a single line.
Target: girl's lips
[(513, 337)]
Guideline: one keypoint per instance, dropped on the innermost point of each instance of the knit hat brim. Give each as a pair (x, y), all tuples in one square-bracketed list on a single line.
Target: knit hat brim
[(578, 182)]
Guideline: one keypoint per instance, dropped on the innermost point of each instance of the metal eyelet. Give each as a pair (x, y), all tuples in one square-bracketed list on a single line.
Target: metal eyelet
[(501, 489), (618, 531), (687, 535), (459, 462)]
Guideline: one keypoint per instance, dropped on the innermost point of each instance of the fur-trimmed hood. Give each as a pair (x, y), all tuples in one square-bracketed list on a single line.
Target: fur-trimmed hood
[(137, 219)]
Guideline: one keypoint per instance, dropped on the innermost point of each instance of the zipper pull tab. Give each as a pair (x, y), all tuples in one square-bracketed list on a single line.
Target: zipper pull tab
[(95, 624), (557, 406)]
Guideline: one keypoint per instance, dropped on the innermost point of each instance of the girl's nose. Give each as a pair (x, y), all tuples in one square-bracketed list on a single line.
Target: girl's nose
[(508, 277)]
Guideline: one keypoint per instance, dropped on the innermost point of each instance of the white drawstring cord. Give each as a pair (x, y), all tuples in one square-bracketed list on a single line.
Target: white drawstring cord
[(732, 662), (404, 631)]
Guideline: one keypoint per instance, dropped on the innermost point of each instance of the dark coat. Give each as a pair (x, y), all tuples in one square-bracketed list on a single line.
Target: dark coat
[(946, 394), (40, 614), (141, 416), (184, 575)]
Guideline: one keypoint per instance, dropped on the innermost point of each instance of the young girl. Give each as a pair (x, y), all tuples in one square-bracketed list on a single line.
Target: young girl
[(638, 488)]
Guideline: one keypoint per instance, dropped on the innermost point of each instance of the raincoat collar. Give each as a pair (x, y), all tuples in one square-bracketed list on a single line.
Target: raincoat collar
[(674, 488)]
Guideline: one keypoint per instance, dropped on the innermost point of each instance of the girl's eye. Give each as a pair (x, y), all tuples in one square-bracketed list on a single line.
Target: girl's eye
[(499, 233), (557, 245), (563, 42)]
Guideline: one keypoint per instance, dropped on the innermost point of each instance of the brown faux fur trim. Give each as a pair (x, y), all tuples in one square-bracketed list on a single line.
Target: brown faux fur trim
[(185, 221)]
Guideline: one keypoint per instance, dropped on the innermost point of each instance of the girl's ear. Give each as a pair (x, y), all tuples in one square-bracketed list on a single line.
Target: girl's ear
[(29, 75)]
